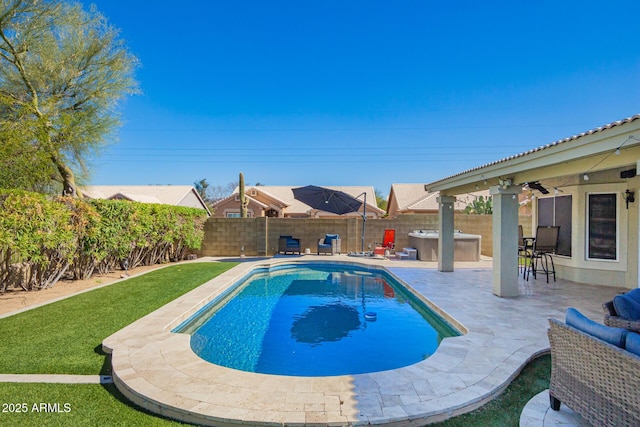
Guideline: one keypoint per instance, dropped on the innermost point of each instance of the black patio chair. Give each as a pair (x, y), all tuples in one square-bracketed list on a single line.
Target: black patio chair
[(544, 246)]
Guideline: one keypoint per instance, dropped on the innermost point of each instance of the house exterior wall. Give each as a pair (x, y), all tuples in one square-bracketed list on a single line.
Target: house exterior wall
[(393, 208), (259, 236), (190, 200), (622, 272), (233, 206)]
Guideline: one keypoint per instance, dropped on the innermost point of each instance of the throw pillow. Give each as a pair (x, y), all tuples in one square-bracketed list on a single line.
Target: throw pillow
[(329, 237), (634, 294)]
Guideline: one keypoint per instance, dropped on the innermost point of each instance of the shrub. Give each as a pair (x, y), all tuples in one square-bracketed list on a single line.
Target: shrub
[(38, 233), (86, 223), (42, 238), (116, 237)]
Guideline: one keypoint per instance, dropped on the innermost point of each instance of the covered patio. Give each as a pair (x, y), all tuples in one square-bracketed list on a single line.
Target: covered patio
[(586, 184)]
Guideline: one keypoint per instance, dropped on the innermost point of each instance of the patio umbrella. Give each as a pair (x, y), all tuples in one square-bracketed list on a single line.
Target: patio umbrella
[(325, 199), (334, 201)]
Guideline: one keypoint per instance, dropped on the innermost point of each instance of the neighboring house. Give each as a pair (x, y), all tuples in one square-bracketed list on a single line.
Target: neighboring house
[(176, 195), (587, 184), (415, 199), (278, 201)]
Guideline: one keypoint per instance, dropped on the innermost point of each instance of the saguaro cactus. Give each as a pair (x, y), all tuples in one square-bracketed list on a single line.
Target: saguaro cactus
[(243, 198)]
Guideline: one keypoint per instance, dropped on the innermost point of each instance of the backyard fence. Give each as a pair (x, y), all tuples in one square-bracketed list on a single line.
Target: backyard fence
[(259, 236)]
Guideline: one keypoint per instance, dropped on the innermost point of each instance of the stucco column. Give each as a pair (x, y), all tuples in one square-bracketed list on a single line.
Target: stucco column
[(445, 237), (505, 240)]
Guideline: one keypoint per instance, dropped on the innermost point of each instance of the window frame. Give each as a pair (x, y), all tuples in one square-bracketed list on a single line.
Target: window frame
[(587, 217), (550, 208)]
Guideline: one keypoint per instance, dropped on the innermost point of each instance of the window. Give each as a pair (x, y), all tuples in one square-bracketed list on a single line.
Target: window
[(237, 214), (602, 226), (557, 211)]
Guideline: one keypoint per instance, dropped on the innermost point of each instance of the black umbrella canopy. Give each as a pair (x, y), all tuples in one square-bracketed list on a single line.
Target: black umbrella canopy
[(325, 199)]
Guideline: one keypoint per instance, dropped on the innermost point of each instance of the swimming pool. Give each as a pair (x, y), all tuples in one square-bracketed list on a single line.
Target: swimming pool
[(316, 319)]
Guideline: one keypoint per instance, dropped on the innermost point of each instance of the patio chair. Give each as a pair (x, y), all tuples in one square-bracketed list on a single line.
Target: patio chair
[(525, 247), (388, 242), (330, 244), (288, 244), (544, 246), (623, 311), (594, 370)]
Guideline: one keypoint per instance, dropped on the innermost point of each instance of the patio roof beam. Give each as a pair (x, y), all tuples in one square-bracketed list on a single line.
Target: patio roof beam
[(584, 148), (540, 169)]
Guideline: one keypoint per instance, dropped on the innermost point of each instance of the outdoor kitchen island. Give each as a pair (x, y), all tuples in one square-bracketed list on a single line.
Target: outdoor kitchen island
[(466, 246)]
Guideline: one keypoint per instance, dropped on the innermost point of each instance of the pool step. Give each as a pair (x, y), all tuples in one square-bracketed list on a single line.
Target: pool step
[(408, 254)]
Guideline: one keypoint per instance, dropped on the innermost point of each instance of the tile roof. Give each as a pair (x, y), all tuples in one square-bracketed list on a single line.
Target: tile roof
[(407, 195), (284, 194), (414, 197), (163, 194)]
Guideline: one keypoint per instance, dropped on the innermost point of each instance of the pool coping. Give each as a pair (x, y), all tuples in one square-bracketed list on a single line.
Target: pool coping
[(157, 370)]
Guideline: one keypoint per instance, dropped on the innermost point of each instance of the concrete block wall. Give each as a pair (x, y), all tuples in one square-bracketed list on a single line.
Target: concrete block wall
[(225, 236), (259, 236)]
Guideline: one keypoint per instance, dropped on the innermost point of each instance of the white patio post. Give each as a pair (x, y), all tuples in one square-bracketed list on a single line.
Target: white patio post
[(505, 240), (445, 233)]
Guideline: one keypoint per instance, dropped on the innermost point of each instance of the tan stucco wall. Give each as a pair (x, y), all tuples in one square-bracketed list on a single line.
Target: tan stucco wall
[(622, 272), (253, 209), (190, 201)]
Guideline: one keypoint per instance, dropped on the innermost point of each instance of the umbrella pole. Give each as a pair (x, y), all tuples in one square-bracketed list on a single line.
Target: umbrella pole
[(364, 219)]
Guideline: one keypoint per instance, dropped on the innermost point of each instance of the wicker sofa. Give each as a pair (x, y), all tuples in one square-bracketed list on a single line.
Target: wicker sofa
[(623, 311), (595, 370)]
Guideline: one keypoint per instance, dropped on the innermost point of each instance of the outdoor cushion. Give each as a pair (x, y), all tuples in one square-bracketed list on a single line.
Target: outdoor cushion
[(627, 307), (608, 334), (632, 343), (635, 294), (329, 237)]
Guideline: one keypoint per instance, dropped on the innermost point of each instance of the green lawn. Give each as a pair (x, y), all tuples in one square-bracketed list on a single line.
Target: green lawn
[(77, 405), (65, 338)]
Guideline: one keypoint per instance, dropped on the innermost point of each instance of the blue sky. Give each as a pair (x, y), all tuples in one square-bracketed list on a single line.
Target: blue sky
[(361, 92)]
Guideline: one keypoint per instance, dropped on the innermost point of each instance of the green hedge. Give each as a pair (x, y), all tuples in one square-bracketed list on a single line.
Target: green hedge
[(42, 238)]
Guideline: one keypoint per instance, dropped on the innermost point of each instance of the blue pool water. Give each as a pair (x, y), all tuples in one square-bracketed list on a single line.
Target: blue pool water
[(316, 320)]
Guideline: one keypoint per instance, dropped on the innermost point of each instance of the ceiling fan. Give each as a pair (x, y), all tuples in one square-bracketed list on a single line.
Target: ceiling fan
[(535, 185)]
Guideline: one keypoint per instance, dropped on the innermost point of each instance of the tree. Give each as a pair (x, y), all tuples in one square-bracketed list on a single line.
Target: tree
[(204, 190), (63, 71), (381, 200), (219, 192), (480, 206)]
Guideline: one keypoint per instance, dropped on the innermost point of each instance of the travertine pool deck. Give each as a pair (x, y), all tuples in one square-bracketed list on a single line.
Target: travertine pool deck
[(157, 370)]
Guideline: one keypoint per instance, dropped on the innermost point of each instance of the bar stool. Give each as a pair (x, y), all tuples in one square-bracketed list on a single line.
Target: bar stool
[(544, 246)]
